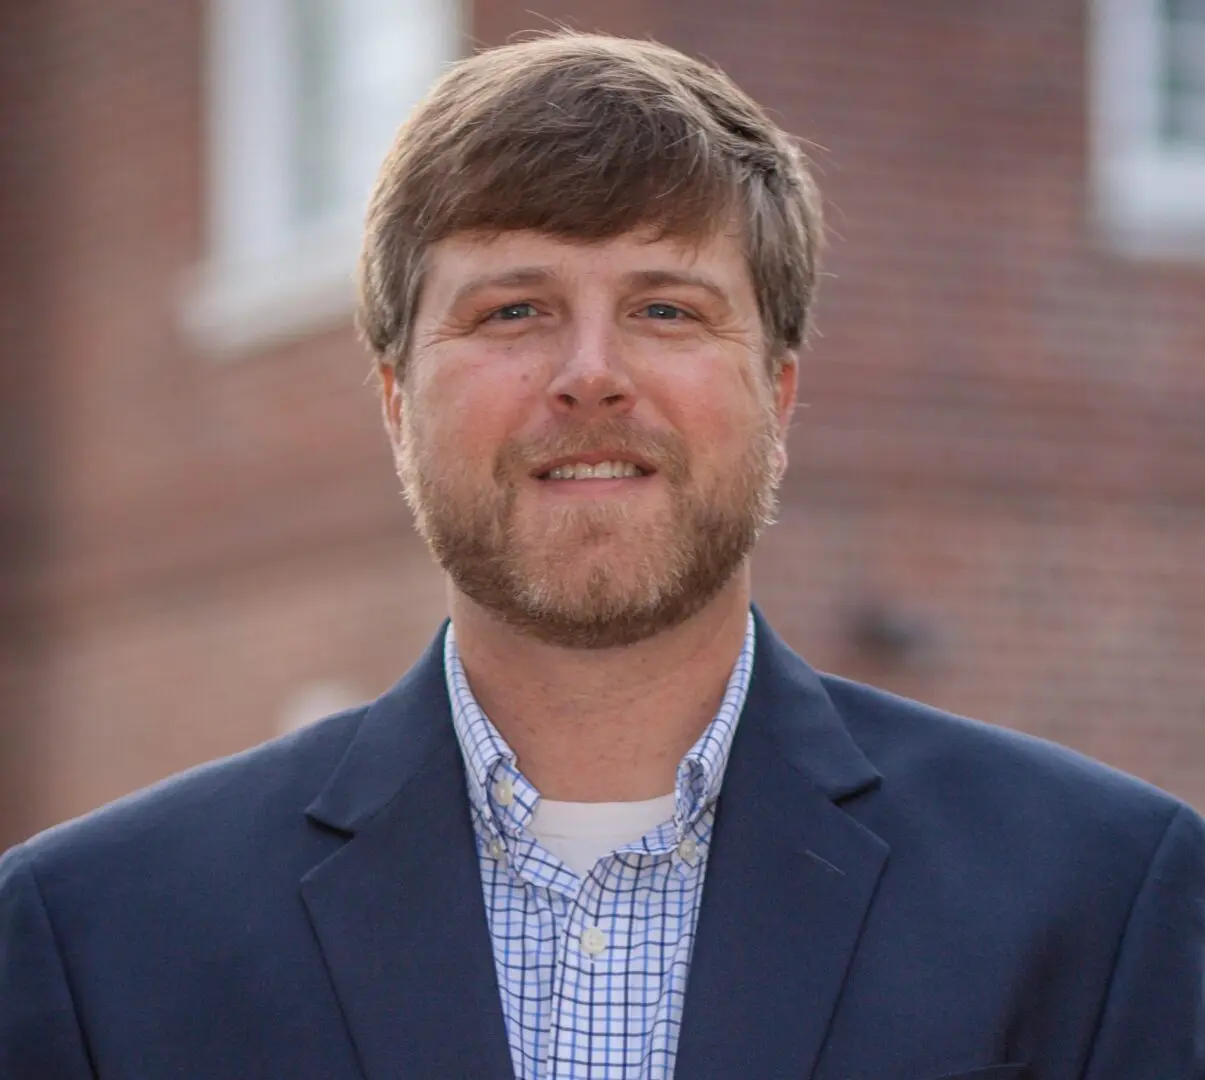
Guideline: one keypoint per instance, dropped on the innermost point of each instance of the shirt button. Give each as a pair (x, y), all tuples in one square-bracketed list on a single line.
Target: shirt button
[(504, 791), (688, 850), (496, 848), (594, 940)]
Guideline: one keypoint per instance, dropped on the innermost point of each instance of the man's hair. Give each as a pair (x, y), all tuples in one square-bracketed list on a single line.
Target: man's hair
[(586, 137)]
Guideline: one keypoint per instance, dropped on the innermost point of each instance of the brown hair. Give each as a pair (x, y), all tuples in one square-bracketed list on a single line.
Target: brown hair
[(586, 137)]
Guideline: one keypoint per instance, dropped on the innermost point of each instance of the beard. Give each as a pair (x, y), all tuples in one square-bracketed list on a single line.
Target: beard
[(591, 574)]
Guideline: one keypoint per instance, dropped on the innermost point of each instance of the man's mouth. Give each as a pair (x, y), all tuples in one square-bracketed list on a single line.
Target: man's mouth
[(602, 464), (601, 470)]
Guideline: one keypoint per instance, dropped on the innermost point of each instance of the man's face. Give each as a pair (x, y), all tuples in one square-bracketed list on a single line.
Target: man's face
[(587, 432)]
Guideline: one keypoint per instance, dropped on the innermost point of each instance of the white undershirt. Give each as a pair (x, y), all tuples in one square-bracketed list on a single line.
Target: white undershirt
[(579, 834)]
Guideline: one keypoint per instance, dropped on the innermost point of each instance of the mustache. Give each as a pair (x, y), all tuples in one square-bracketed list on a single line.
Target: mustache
[(663, 450)]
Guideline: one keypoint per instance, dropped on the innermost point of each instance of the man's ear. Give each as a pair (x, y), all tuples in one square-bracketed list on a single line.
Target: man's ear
[(786, 386), (391, 401)]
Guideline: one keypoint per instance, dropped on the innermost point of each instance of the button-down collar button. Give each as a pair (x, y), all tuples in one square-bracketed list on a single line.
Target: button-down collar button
[(688, 850), (496, 849), (504, 791), (594, 941)]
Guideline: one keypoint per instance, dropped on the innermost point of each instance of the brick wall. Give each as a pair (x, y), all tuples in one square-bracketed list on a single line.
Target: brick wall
[(27, 311), (998, 486)]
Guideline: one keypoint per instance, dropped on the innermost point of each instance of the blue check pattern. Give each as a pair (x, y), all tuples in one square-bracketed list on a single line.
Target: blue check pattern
[(592, 971)]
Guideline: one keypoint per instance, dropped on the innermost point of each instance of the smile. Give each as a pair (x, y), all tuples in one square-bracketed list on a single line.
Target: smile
[(603, 470)]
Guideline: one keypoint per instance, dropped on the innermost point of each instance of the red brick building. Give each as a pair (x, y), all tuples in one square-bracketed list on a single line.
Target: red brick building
[(997, 500)]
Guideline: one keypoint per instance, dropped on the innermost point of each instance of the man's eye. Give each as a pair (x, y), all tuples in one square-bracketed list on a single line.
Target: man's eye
[(514, 312), (663, 312)]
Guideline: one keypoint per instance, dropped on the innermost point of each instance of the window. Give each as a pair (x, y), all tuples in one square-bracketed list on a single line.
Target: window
[(1149, 124), (304, 98)]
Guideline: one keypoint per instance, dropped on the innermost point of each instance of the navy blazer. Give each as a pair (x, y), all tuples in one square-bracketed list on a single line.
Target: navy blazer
[(892, 894)]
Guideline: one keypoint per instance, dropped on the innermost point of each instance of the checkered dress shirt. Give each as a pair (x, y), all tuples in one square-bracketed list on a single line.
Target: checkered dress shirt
[(592, 971)]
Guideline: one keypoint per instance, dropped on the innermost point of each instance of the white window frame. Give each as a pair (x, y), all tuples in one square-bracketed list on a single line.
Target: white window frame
[(1149, 198), (263, 278)]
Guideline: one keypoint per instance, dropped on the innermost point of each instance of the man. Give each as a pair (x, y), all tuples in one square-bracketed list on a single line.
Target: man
[(609, 826)]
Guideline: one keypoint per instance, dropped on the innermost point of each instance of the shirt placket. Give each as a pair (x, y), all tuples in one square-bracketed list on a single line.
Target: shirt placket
[(594, 938), (565, 1023)]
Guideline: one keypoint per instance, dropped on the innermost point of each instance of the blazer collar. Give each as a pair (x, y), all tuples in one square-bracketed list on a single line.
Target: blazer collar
[(787, 703), (402, 729), (399, 912)]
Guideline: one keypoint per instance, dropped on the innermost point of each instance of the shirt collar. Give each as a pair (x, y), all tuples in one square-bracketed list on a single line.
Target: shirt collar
[(488, 757)]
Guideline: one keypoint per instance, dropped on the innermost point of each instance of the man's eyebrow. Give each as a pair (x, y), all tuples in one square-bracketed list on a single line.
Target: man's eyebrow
[(656, 279), (505, 279), (530, 276)]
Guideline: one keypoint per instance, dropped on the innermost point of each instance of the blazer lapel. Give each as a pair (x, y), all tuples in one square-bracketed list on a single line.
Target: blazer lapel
[(398, 910), (790, 878)]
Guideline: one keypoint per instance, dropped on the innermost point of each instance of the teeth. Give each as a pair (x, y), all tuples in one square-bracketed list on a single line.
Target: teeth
[(604, 470)]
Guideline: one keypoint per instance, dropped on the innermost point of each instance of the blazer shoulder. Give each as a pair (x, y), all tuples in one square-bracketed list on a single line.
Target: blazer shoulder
[(975, 765), (258, 791)]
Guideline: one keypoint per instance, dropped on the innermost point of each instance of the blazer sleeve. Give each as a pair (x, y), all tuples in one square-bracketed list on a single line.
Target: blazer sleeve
[(1152, 1026), (40, 1036)]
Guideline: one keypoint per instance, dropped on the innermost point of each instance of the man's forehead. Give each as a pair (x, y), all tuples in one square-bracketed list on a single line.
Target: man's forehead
[(527, 257)]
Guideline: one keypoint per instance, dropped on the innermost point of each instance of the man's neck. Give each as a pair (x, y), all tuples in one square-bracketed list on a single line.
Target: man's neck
[(603, 725)]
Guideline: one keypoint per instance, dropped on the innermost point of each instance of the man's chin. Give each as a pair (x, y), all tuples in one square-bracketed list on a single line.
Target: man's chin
[(579, 623), (610, 566)]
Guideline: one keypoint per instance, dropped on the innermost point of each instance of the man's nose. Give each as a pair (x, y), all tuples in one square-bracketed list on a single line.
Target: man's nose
[(593, 377)]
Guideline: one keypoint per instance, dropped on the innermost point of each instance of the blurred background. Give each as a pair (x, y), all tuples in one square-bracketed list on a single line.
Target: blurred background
[(997, 493)]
